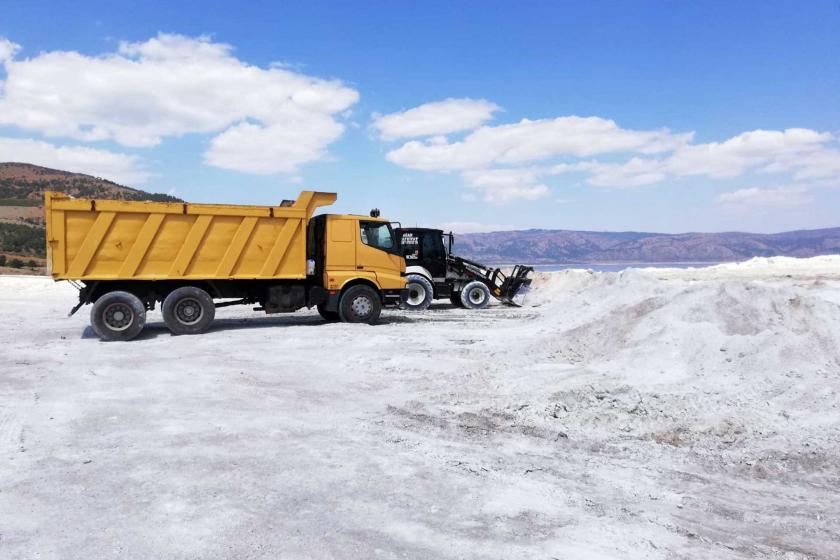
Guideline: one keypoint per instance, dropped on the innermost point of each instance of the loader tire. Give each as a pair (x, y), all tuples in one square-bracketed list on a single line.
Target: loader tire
[(360, 304), (118, 316), (188, 310), (475, 295), (420, 293), (455, 298), (327, 315)]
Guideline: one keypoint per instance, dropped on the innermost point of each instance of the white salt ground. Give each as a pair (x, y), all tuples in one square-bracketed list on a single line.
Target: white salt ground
[(688, 413)]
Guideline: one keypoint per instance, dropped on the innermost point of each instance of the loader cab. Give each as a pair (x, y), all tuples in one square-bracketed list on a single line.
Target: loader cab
[(426, 248)]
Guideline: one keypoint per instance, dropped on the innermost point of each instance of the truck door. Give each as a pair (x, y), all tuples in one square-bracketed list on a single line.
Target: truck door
[(341, 243), (378, 251)]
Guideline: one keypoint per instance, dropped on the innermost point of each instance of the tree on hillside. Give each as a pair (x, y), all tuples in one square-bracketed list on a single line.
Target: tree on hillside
[(21, 239), (2, 260)]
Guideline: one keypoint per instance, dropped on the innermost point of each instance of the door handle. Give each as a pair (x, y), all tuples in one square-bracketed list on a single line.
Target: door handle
[(359, 267)]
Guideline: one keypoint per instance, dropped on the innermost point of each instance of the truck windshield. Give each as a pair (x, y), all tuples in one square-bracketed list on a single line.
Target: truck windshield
[(379, 235)]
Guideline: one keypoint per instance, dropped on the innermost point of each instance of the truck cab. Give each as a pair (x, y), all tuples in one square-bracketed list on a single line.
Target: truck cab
[(347, 250)]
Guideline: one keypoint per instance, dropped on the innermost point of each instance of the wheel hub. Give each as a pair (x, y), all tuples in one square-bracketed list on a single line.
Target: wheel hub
[(476, 295), (361, 306), (118, 316), (416, 294), (188, 311)]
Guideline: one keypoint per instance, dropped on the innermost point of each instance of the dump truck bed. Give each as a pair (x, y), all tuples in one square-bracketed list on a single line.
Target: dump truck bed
[(123, 240)]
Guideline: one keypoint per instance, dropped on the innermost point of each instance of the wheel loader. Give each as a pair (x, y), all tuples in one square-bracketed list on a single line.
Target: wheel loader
[(434, 272)]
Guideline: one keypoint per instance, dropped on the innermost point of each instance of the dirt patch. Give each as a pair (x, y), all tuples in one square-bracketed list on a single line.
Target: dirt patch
[(32, 215)]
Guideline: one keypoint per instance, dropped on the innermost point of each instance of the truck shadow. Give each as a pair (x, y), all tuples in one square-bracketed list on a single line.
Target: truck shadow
[(156, 329)]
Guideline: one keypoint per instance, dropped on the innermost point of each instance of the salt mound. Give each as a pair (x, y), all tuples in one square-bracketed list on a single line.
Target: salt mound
[(763, 352), (554, 287), (768, 268)]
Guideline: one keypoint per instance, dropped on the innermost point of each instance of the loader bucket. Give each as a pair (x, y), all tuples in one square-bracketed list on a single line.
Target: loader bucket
[(516, 286), (507, 288)]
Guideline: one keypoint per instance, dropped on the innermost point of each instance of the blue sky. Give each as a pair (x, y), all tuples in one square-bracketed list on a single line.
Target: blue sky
[(655, 116)]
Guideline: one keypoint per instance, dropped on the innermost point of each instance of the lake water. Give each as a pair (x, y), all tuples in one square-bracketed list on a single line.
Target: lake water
[(616, 267)]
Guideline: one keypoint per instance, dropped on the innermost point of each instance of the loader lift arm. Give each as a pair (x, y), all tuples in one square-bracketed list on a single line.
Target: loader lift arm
[(503, 286)]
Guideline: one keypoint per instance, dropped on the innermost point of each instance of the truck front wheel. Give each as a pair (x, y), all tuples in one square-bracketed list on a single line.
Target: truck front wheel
[(188, 310), (360, 304), (475, 295), (118, 316), (420, 293)]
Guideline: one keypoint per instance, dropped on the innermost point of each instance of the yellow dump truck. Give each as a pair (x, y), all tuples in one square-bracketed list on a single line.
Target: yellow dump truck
[(127, 256)]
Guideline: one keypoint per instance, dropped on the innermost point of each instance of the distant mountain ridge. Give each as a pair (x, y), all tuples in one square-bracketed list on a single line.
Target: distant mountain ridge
[(27, 182), (564, 246)]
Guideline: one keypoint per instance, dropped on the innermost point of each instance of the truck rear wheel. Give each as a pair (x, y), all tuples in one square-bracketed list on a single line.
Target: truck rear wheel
[(118, 316), (360, 304), (188, 310), (475, 295), (420, 293)]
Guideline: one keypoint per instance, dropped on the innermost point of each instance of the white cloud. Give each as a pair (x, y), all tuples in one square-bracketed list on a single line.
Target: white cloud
[(439, 117), (268, 120), (120, 168), (636, 172), (503, 185), (481, 153), (820, 163), (745, 151), (768, 151), (769, 197), (7, 50), (271, 149), (529, 141), (508, 161)]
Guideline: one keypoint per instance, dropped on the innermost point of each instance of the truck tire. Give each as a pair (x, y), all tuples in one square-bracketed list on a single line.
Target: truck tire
[(420, 293), (329, 316), (188, 310), (360, 304), (118, 316), (455, 298), (475, 295)]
